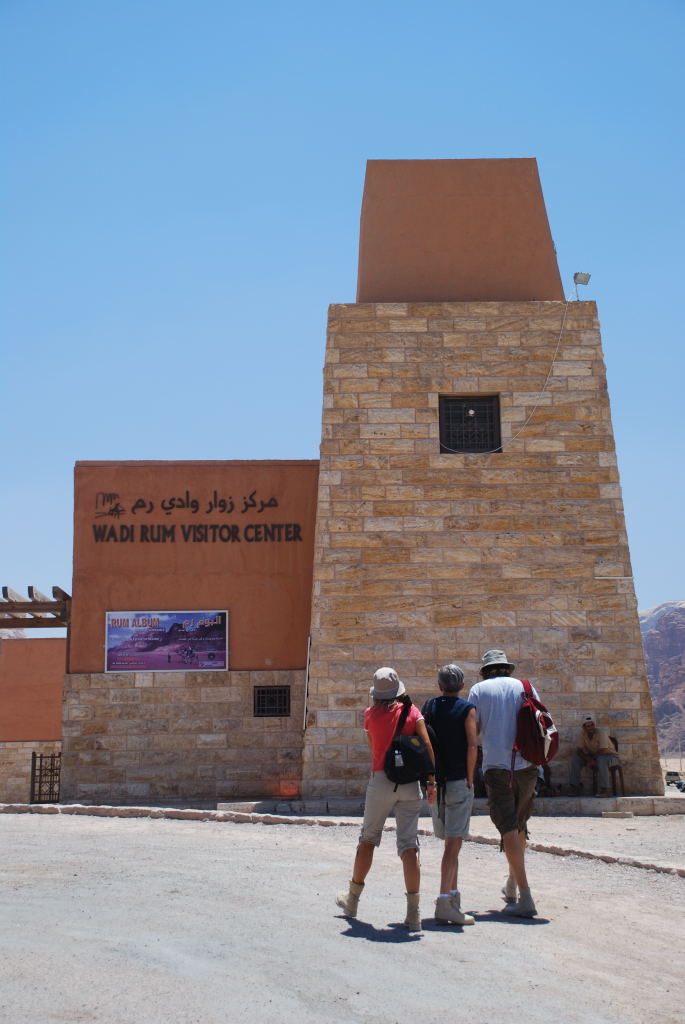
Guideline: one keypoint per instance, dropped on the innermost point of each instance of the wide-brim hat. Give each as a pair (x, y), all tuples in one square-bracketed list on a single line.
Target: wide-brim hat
[(496, 657), (387, 685)]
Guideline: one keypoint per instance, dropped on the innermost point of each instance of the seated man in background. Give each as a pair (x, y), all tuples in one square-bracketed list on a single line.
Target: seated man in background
[(593, 748)]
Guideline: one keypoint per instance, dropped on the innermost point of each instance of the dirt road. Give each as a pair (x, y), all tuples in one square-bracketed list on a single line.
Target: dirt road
[(137, 921)]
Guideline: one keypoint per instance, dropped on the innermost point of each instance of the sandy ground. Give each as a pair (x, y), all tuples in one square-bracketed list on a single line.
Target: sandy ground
[(658, 840), (139, 921)]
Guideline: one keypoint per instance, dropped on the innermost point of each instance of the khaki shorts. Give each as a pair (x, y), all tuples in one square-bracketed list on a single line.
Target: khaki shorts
[(452, 817), (381, 799), (510, 806)]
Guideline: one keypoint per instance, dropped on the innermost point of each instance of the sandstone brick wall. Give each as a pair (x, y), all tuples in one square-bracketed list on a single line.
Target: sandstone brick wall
[(178, 737), (423, 558), (15, 768)]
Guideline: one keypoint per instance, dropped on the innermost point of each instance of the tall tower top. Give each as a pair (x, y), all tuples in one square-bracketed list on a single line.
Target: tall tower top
[(455, 230)]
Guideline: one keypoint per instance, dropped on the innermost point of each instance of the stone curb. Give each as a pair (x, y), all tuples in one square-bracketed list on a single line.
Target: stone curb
[(244, 817), (608, 858)]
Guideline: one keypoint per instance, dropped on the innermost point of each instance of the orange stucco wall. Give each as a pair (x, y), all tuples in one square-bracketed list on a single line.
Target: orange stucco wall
[(165, 536), (31, 682), (455, 230)]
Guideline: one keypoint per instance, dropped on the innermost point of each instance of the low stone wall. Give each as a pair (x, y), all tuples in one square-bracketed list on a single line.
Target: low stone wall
[(15, 767), (178, 737)]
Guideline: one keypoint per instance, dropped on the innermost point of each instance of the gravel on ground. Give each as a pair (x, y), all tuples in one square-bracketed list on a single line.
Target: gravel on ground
[(155, 921)]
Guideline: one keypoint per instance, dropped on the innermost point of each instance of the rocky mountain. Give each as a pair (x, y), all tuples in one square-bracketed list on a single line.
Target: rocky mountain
[(663, 638)]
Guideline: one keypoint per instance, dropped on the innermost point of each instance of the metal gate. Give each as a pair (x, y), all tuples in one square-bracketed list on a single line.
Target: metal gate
[(45, 774)]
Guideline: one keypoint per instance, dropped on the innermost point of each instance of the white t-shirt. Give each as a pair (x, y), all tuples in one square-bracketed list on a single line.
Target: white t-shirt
[(497, 704)]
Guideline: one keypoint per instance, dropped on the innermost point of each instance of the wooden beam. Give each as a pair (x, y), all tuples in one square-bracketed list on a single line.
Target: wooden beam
[(16, 612), (39, 608), (22, 607), (15, 622)]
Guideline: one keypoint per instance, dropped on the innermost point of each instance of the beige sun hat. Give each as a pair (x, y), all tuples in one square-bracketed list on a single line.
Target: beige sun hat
[(496, 657), (387, 685)]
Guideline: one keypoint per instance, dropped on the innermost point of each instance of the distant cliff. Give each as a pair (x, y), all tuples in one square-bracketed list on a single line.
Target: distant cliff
[(663, 637)]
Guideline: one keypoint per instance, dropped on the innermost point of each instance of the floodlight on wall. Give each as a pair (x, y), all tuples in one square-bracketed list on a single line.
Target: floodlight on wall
[(580, 278)]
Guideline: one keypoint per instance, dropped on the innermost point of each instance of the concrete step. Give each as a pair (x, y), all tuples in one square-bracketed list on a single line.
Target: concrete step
[(557, 806)]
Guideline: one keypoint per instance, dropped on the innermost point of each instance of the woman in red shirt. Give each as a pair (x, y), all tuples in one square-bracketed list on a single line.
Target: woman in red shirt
[(381, 719)]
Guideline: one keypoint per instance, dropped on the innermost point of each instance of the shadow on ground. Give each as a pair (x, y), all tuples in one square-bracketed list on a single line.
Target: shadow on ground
[(396, 932)]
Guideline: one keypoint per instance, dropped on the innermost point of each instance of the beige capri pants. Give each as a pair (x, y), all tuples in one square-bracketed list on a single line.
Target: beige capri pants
[(381, 799)]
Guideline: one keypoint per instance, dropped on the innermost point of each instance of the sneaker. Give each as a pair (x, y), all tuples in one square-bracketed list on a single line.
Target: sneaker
[(448, 911), (523, 907)]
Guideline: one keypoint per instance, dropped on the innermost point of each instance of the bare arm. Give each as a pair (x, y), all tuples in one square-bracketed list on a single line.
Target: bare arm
[(471, 727), (582, 751), (422, 733)]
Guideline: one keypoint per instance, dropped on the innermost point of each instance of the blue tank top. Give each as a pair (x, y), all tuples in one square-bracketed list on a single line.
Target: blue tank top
[(447, 717)]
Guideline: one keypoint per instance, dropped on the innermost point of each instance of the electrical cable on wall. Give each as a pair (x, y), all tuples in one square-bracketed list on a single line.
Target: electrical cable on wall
[(493, 451)]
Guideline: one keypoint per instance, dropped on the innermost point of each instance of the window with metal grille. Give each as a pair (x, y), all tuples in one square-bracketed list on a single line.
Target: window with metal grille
[(45, 778), (271, 701), (470, 424)]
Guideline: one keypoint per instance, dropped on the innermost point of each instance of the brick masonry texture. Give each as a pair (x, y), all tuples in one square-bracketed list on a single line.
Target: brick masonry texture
[(178, 737), (15, 767), (423, 558)]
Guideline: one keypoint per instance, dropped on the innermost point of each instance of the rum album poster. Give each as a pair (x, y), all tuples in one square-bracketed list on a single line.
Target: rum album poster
[(166, 641)]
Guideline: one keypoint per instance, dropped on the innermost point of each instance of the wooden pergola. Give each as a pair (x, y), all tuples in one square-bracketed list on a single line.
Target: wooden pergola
[(35, 612)]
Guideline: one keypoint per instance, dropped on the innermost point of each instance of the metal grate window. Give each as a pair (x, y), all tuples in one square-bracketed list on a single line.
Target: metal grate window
[(271, 701), (45, 778), (470, 424)]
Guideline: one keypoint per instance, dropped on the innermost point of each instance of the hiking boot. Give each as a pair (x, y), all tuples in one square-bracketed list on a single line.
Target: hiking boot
[(349, 901), (523, 907), (448, 911), (510, 890), (413, 919)]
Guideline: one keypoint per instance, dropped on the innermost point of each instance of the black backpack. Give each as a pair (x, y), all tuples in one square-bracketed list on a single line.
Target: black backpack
[(428, 711), (440, 782), (407, 758)]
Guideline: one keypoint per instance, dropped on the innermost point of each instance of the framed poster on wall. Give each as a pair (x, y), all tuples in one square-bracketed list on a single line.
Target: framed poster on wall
[(191, 641)]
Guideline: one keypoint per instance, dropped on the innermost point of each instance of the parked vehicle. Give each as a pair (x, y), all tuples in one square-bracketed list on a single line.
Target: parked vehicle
[(672, 778)]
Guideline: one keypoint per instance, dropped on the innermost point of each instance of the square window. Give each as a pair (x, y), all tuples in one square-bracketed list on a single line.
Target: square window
[(271, 701), (470, 424)]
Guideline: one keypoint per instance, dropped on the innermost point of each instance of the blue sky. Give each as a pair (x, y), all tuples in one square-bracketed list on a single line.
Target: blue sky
[(180, 192)]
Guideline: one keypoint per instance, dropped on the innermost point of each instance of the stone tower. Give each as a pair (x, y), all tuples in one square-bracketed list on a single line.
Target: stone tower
[(469, 495)]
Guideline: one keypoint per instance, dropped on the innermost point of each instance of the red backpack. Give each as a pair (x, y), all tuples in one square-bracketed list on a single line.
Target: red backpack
[(537, 739)]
